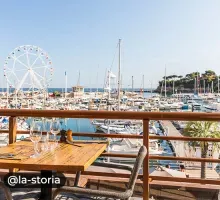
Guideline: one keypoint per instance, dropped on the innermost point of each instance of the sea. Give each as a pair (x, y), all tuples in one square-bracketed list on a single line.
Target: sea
[(61, 90)]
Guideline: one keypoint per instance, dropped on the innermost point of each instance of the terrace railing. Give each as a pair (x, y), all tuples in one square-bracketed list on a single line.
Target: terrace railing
[(146, 117)]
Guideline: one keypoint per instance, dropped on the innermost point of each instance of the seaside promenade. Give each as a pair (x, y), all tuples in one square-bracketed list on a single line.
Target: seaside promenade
[(182, 149)]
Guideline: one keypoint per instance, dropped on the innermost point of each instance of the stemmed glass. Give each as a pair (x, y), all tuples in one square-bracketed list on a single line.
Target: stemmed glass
[(55, 129), (45, 138), (35, 136)]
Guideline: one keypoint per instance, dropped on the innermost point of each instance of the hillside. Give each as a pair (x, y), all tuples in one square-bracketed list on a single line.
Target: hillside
[(187, 83)]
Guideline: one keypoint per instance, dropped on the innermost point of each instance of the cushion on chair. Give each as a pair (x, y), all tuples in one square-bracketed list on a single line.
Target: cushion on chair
[(68, 196)]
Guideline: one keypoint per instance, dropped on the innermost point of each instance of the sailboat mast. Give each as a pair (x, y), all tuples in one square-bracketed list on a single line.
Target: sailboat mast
[(97, 78), (143, 85), (65, 84), (109, 85), (165, 84), (212, 88), (151, 88), (119, 72), (218, 84), (195, 85), (78, 82), (132, 83), (197, 82), (121, 83)]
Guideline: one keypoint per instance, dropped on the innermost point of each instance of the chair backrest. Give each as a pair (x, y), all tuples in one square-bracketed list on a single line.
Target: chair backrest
[(137, 166), (6, 190)]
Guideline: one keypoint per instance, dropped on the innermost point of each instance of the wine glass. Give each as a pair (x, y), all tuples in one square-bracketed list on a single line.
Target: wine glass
[(35, 136), (45, 138), (55, 129)]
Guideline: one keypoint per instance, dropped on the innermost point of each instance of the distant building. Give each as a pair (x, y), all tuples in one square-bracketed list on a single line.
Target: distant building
[(212, 153), (77, 91)]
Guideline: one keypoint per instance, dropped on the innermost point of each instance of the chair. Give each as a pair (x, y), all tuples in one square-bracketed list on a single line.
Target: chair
[(88, 193), (6, 190)]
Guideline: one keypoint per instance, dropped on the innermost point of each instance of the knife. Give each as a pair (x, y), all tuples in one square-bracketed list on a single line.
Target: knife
[(9, 158)]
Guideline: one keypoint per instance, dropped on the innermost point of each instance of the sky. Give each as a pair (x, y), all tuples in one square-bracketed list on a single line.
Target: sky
[(82, 35)]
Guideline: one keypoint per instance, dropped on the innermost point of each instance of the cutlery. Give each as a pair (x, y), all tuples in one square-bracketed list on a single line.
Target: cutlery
[(7, 154), (77, 145), (99, 142), (9, 158), (73, 143)]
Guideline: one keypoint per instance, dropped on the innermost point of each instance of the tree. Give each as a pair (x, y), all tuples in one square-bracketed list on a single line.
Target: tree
[(209, 75), (202, 129), (169, 77), (210, 72), (192, 75)]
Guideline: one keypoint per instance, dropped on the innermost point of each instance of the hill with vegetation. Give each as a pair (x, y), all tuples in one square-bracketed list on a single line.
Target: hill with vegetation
[(190, 82)]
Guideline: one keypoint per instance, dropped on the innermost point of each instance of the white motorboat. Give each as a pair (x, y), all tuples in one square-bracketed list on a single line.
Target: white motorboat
[(131, 146), (208, 107)]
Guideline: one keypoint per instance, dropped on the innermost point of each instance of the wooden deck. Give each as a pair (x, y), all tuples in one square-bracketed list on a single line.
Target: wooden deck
[(159, 190)]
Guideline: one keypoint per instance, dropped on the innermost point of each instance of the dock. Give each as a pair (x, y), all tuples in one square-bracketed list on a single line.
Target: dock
[(181, 148)]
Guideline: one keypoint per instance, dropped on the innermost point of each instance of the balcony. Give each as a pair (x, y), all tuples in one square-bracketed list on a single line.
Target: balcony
[(162, 185)]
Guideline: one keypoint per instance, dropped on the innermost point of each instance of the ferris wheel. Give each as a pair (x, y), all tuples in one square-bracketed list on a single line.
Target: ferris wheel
[(28, 67)]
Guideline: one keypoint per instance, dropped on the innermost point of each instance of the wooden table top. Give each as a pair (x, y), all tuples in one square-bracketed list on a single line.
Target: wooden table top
[(65, 157)]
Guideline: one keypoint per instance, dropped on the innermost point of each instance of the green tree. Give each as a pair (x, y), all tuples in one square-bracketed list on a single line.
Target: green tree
[(192, 75), (209, 75), (210, 72), (206, 129)]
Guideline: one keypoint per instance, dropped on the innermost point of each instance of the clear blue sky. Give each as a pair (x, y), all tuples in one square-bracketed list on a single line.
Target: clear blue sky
[(81, 35)]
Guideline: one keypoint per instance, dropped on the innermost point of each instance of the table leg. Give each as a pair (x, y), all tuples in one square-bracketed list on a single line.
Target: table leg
[(46, 191), (77, 178)]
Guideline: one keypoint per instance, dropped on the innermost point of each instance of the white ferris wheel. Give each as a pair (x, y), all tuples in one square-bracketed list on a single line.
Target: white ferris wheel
[(28, 67)]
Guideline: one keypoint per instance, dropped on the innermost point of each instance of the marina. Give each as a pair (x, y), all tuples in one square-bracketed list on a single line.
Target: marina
[(147, 103)]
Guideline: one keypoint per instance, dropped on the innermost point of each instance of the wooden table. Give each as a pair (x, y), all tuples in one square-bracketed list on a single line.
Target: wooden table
[(65, 157)]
